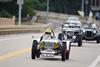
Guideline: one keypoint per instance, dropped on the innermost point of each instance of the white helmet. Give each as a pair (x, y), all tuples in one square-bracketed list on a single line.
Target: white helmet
[(93, 25)]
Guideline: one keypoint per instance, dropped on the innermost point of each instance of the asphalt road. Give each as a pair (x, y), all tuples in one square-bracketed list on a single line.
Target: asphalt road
[(15, 51)]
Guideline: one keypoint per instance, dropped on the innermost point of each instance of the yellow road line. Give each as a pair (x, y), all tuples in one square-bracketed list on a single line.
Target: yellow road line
[(14, 53)]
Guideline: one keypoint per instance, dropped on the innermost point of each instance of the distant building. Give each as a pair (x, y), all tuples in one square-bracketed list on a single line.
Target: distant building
[(95, 5)]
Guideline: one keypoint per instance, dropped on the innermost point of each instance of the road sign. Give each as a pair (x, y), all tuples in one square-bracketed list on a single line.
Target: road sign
[(20, 2)]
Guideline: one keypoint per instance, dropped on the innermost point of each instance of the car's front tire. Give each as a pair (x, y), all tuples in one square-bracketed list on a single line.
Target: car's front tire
[(33, 54), (34, 49), (38, 53), (63, 52)]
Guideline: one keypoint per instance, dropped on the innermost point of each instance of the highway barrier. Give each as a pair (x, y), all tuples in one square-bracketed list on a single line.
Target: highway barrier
[(15, 29)]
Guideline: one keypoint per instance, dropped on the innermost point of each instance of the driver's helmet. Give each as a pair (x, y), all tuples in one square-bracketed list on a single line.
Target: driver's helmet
[(48, 31), (93, 25)]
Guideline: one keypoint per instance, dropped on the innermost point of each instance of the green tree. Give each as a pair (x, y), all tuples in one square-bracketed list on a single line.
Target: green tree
[(62, 6), (4, 13), (31, 5)]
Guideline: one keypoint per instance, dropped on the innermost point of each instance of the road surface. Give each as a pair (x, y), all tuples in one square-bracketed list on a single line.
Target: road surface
[(15, 51)]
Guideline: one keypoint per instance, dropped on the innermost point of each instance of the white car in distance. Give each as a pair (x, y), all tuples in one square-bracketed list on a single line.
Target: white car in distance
[(73, 21)]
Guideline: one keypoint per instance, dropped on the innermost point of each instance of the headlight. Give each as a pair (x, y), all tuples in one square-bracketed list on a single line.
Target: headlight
[(42, 45), (83, 31), (74, 37), (94, 31), (56, 45)]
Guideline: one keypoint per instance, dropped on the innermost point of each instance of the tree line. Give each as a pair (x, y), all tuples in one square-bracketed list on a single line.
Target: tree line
[(60, 6)]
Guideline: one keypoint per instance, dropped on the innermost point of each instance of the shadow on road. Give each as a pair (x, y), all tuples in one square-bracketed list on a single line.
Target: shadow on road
[(90, 42), (52, 59)]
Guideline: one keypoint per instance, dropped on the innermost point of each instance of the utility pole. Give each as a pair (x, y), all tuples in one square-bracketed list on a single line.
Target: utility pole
[(20, 3), (87, 8), (47, 10), (19, 15), (82, 6)]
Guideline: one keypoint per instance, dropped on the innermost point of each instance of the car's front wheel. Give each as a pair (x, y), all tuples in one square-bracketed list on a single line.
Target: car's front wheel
[(34, 49), (33, 54), (63, 52), (38, 53)]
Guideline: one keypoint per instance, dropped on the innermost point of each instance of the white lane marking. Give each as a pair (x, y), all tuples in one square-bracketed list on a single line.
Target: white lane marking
[(95, 62)]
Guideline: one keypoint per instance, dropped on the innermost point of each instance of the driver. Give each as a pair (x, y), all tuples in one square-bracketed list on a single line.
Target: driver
[(47, 35)]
